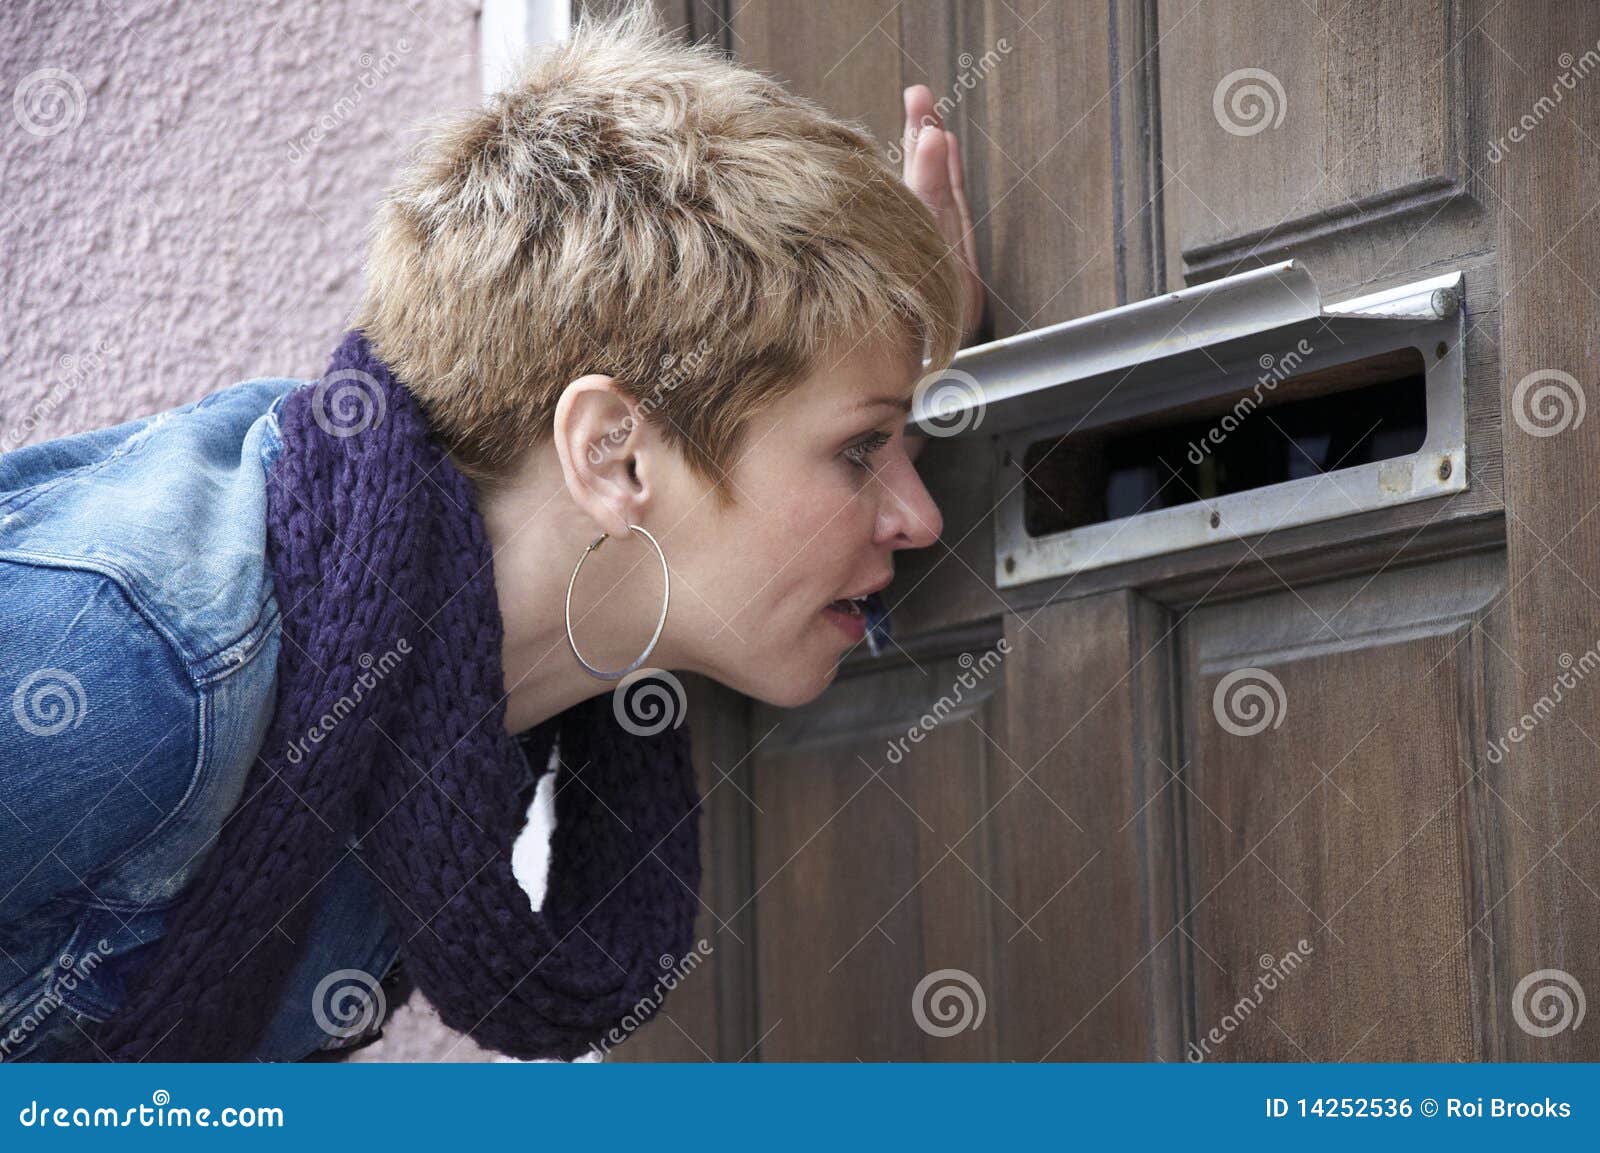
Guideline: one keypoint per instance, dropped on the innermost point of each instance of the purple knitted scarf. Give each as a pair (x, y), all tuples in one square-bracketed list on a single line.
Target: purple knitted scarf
[(377, 547)]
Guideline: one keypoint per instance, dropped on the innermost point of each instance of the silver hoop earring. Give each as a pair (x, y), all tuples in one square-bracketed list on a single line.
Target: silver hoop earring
[(666, 590)]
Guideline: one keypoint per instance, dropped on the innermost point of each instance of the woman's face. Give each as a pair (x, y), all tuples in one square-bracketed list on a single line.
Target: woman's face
[(826, 494)]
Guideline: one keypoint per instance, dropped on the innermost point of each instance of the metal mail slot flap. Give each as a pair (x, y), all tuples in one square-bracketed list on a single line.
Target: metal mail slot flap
[(1195, 346)]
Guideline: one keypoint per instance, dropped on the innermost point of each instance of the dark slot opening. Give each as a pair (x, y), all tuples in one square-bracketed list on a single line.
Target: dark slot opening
[(1301, 426)]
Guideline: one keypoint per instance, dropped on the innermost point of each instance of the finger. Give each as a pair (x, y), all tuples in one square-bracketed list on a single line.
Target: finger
[(919, 107), (958, 191), (929, 175), (958, 178), (918, 99)]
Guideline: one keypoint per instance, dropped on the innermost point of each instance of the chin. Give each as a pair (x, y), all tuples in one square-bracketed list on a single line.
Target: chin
[(791, 692)]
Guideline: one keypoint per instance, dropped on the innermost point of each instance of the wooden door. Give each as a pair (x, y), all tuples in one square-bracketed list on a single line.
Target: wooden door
[(1082, 855)]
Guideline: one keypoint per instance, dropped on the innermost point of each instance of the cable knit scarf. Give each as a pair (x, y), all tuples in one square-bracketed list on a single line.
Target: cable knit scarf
[(377, 547)]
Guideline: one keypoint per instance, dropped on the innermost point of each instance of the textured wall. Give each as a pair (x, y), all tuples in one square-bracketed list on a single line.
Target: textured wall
[(184, 191), (183, 198)]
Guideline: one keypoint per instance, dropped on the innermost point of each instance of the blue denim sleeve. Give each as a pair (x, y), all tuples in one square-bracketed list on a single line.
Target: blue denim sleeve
[(99, 732)]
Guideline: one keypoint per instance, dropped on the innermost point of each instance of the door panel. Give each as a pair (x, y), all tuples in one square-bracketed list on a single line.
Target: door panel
[(1287, 120), (1084, 835), (872, 859), (1329, 740)]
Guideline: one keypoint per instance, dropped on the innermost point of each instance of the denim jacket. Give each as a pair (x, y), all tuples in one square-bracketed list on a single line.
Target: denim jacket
[(138, 652)]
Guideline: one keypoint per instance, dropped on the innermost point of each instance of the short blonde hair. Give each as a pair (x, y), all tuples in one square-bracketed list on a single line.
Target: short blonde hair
[(638, 206)]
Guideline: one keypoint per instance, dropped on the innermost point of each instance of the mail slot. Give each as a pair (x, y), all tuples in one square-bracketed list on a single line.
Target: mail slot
[(1223, 411)]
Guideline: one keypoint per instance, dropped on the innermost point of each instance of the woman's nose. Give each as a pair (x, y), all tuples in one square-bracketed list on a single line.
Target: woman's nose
[(910, 517)]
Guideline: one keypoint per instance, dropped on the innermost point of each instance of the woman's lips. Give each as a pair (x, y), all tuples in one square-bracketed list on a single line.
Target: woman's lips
[(852, 622)]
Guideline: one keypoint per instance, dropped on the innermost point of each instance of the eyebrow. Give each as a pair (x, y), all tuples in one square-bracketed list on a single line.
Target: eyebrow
[(902, 403)]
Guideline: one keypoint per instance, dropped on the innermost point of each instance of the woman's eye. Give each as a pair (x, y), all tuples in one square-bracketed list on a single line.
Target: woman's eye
[(860, 453)]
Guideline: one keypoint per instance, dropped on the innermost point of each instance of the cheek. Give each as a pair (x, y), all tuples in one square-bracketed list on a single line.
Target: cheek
[(787, 553), (743, 566), (797, 536), (824, 533)]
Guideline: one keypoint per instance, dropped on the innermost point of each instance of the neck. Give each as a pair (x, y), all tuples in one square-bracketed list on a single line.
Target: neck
[(537, 535)]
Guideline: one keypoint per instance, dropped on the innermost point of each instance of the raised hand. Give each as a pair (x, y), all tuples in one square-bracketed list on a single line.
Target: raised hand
[(932, 169)]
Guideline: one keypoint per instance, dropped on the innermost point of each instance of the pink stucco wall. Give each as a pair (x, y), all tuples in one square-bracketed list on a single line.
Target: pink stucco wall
[(184, 188)]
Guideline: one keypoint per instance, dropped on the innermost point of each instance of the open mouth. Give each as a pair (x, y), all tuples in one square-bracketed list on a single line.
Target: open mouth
[(849, 613), (850, 606)]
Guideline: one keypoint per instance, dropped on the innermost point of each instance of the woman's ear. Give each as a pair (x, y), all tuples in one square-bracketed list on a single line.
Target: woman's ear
[(598, 436)]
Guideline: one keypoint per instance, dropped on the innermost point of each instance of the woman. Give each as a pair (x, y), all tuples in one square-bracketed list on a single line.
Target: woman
[(282, 662)]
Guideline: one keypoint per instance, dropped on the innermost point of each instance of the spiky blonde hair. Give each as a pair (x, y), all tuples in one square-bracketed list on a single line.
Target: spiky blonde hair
[(642, 207)]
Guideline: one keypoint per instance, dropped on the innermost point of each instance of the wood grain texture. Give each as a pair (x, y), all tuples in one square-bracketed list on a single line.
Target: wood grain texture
[(872, 865), (1330, 736), (1284, 122), (1084, 836), (1546, 190)]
